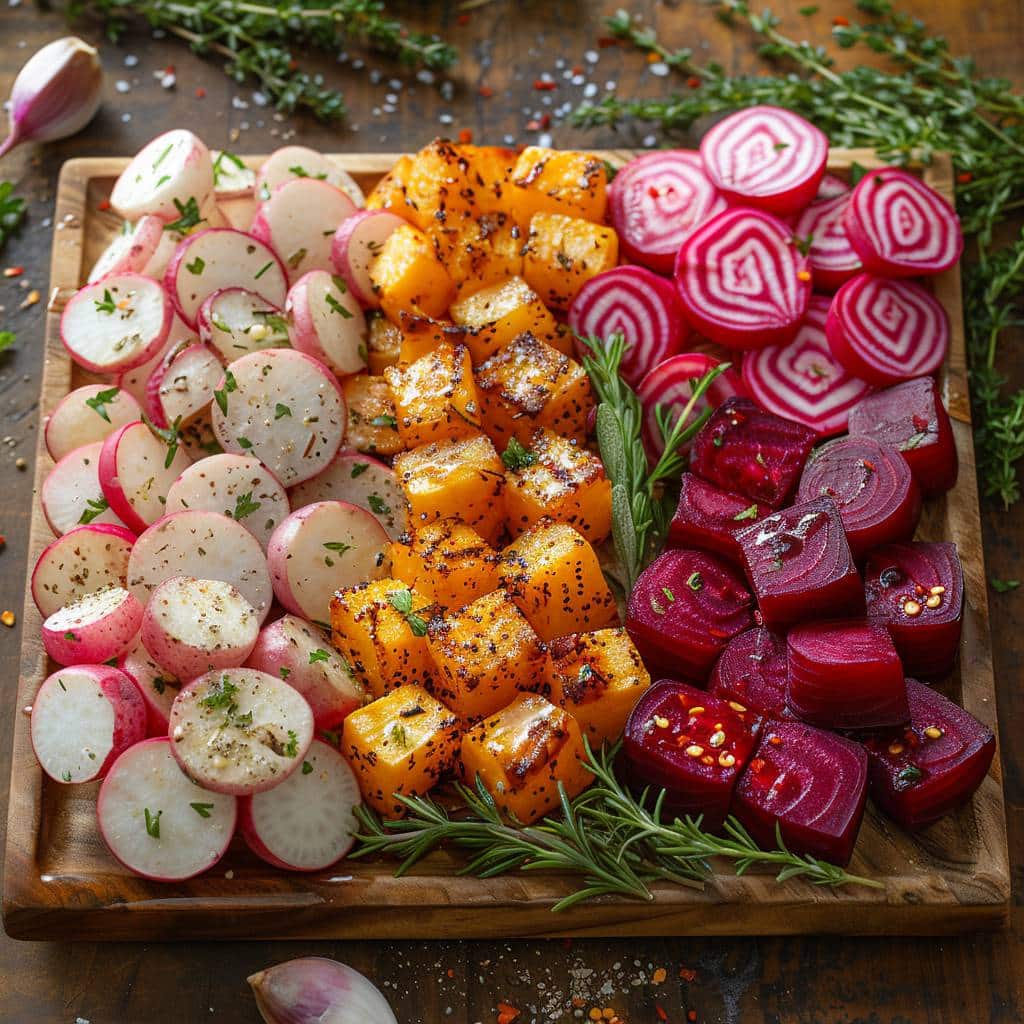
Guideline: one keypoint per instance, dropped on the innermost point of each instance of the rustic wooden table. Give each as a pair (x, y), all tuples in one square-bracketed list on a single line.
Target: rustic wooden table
[(505, 46)]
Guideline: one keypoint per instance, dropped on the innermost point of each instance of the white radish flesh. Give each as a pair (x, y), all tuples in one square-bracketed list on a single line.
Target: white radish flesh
[(88, 414), (232, 179), (239, 213), (136, 380), (292, 162), (94, 628), (157, 686), (356, 245), (235, 322), (131, 250), (184, 386), (327, 322), (71, 494)]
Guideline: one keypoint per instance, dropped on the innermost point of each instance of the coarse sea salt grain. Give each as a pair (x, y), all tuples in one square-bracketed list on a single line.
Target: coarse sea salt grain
[(122, 86), (590, 89), (659, 69)]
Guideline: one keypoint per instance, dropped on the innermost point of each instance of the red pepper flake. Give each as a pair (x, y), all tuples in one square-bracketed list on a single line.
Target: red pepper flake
[(450, 972), (839, 19), (13, 271), (465, 136), (293, 65), (691, 1015), (577, 69), (507, 1014), (775, 741), (688, 974), (604, 42), (662, 1015), (544, 85), (486, 91), (462, 19), (3, 542), (103, 205), (693, 82), (964, 177), (169, 70), (654, 192), (200, 93)]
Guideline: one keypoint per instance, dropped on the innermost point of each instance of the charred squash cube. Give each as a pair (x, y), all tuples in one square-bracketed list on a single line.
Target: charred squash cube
[(422, 335), (392, 193), (440, 186), (407, 275), (559, 181), (372, 423), (564, 253), (479, 250)]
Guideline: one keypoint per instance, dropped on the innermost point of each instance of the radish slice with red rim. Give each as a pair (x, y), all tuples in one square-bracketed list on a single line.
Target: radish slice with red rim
[(157, 686), (88, 414), (886, 331), (235, 321), (135, 381), (93, 628), (290, 163), (355, 246), (752, 672), (184, 386), (71, 494), (820, 229), (327, 322), (232, 179), (131, 251)]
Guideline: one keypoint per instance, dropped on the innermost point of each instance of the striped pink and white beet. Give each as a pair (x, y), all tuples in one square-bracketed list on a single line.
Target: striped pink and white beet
[(833, 259)]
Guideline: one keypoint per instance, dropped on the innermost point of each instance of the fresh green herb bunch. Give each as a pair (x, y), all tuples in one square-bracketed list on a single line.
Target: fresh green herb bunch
[(12, 212)]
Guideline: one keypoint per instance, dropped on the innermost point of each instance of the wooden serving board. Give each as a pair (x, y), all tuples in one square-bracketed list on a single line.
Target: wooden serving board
[(60, 882)]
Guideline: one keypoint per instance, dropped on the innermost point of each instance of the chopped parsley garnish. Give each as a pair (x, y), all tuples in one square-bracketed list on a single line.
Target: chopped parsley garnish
[(318, 655), (398, 736), (153, 822), (188, 216), (359, 468), (203, 810), (99, 402), (750, 512), (669, 596), (96, 508), (108, 305), (281, 410), (259, 273), (243, 442), (695, 582), (401, 601), (378, 505), (197, 266), (221, 694), (907, 777), (307, 768), (339, 546), (221, 395), (337, 307), (517, 456), (384, 421), (244, 506), (292, 746), (285, 672)]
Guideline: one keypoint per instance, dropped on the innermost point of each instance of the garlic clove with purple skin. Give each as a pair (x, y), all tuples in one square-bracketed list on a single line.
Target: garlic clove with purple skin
[(314, 990), (55, 94)]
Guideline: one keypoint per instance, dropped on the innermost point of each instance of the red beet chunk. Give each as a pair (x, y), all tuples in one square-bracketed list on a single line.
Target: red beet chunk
[(751, 452), (690, 744), (752, 671), (917, 592), (709, 518), (800, 566), (845, 674), (684, 608), (878, 499), (922, 773), (911, 418), (812, 783)]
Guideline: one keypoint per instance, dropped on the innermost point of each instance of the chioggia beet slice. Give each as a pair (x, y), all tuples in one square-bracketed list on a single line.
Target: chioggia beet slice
[(709, 518), (878, 499), (690, 744), (845, 674), (684, 608), (752, 671), (811, 784), (751, 452), (800, 567), (923, 772), (833, 259), (911, 418), (917, 590)]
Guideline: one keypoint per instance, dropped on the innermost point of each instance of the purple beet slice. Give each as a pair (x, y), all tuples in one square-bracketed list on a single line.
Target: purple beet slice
[(922, 773), (800, 567), (845, 674), (752, 672), (709, 518), (812, 783), (684, 608), (911, 418), (751, 452), (917, 591), (878, 499), (690, 744)]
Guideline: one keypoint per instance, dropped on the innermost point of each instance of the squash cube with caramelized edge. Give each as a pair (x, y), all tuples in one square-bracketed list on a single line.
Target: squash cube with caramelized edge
[(558, 478), (372, 423), (392, 193), (486, 653), (403, 743), (479, 251), (407, 275), (558, 181), (381, 629), (528, 384), (435, 397), (446, 561), (422, 335), (553, 575), (383, 342), (598, 677), (522, 753), (439, 185), (463, 478), (564, 253)]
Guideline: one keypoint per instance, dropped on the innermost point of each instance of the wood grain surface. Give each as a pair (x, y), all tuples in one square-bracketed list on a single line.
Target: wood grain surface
[(834, 979)]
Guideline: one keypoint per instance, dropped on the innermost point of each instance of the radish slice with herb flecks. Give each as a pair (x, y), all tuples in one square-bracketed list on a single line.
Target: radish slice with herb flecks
[(327, 322), (284, 407), (131, 251), (135, 381), (117, 323), (157, 686), (742, 280), (71, 494), (886, 331), (766, 157), (802, 380), (82, 719), (356, 244), (87, 414), (292, 162), (234, 322), (158, 823), (902, 227), (656, 200), (232, 179), (820, 228), (184, 386), (638, 304), (93, 628), (307, 823)]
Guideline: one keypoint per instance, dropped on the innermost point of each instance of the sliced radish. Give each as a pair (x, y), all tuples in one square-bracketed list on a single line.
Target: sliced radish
[(84, 560), (306, 823), (766, 157), (886, 331), (802, 380), (136, 470), (71, 494), (117, 323), (220, 258), (93, 628), (321, 548), (284, 407), (158, 823), (239, 213), (135, 381), (742, 280), (232, 179), (902, 227), (191, 626), (301, 654), (327, 322), (240, 731), (656, 200), (205, 545), (820, 227), (82, 719), (361, 480), (168, 175), (235, 321), (291, 162), (157, 686), (184, 385), (86, 415), (131, 251), (299, 221), (356, 244)]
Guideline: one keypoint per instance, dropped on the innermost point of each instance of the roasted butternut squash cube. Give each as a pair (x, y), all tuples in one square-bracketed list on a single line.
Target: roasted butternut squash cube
[(435, 397), (440, 185), (401, 743), (391, 193), (447, 561), (421, 335), (407, 275), (553, 575), (522, 753), (380, 627), (527, 385), (558, 477), (558, 181), (489, 173), (464, 478), (383, 343), (479, 251), (372, 423), (598, 677), (564, 253)]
